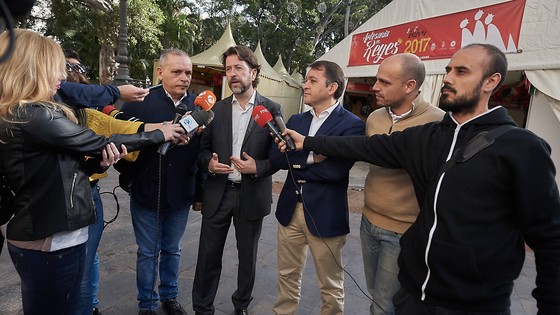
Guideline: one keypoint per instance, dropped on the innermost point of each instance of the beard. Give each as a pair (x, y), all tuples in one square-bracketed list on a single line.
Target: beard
[(463, 104), (241, 89)]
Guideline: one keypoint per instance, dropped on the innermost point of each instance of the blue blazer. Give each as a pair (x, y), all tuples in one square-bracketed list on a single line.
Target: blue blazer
[(325, 184)]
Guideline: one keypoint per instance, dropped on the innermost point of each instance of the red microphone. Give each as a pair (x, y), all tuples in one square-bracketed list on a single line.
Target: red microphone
[(262, 117), (205, 100), (112, 111)]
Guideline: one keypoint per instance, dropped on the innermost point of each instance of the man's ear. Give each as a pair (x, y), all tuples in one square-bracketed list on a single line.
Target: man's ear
[(333, 87), (409, 86), (253, 74), (491, 82)]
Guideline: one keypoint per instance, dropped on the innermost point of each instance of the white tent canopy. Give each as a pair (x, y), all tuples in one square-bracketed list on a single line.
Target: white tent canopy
[(211, 56), (538, 55), (272, 84), (279, 67), (278, 88)]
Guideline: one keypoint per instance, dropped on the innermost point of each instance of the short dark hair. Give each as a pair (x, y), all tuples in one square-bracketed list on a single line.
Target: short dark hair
[(247, 55), (497, 62), (333, 72), (69, 53)]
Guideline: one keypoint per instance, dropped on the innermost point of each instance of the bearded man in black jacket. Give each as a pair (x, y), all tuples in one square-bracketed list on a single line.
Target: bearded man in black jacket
[(467, 246)]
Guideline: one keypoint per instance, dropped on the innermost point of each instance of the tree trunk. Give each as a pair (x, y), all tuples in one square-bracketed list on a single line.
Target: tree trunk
[(347, 18), (107, 67)]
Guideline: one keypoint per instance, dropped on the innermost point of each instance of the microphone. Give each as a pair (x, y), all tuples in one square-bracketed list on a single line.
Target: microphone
[(290, 145), (262, 117), (205, 100), (180, 110), (112, 111), (194, 121)]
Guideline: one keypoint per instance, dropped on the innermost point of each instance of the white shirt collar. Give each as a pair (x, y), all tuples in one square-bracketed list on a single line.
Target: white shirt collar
[(251, 100), (171, 97), (326, 112)]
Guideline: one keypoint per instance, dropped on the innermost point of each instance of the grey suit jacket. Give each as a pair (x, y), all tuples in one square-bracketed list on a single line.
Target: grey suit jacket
[(256, 190)]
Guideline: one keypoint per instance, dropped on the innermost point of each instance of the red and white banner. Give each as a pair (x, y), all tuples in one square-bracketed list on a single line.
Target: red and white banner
[(440, 37), (359, 87)]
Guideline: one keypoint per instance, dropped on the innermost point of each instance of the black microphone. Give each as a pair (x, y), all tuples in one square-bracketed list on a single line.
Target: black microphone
[(196, 120), (180, 110), (290, 145), (263, 118)]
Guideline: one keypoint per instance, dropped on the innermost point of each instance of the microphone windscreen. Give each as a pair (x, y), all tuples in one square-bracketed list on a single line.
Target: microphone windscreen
[(210, 117), (203, 118), (107, 110), (181, 109), (261, 115), (279, 121), (205, 100)]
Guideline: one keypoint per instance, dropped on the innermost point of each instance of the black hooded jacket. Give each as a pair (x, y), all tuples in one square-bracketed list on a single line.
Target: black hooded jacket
[(467, 245)]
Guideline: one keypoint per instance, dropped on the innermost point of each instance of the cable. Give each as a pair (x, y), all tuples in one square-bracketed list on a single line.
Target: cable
[(158, 209), (10, 27), (300, 191), (106, 223)]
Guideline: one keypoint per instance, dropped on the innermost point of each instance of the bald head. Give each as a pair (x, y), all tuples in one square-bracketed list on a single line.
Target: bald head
[(399, 78), (411, 68)]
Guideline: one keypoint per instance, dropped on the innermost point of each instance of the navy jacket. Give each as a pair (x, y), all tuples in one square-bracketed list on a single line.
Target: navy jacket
[(324, 184), (87, 95), (178, 166)]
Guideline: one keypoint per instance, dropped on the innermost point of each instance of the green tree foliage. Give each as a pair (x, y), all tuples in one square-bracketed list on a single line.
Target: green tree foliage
[(298, 30), (180, 25), (78, 27)]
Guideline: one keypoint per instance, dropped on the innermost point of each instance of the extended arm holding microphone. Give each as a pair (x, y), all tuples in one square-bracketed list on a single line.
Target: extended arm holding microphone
[(298, 139)]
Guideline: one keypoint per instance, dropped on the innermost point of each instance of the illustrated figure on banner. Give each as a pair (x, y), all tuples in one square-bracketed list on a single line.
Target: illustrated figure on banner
[(490, 34)]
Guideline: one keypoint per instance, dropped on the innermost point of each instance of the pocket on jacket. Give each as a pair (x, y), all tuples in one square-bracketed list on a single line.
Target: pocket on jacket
[(454, 271)]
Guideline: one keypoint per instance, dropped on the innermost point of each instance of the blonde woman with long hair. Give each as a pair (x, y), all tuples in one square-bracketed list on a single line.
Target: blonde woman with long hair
[(42, 155)]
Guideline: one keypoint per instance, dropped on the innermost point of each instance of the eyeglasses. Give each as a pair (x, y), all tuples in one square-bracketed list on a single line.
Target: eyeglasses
[(78, 67)]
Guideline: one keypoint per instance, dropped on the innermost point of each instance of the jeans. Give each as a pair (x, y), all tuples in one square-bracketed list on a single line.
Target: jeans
[(90, 278), (95, 280), (167, 255), (50, 281), (380, 250)]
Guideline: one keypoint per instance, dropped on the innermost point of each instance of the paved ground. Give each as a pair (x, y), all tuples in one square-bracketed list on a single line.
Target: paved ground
[(118, 254)]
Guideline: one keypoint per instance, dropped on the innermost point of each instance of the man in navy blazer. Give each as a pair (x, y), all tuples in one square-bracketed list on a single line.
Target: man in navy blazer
[(313, 206), (234, 151), (162, 189)]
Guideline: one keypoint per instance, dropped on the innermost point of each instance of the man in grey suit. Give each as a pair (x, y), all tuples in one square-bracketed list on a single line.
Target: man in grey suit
[(234, 151)]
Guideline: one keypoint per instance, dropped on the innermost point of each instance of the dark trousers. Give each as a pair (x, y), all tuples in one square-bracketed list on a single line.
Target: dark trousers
[(213, 236), (406, 304), (50, 281)]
